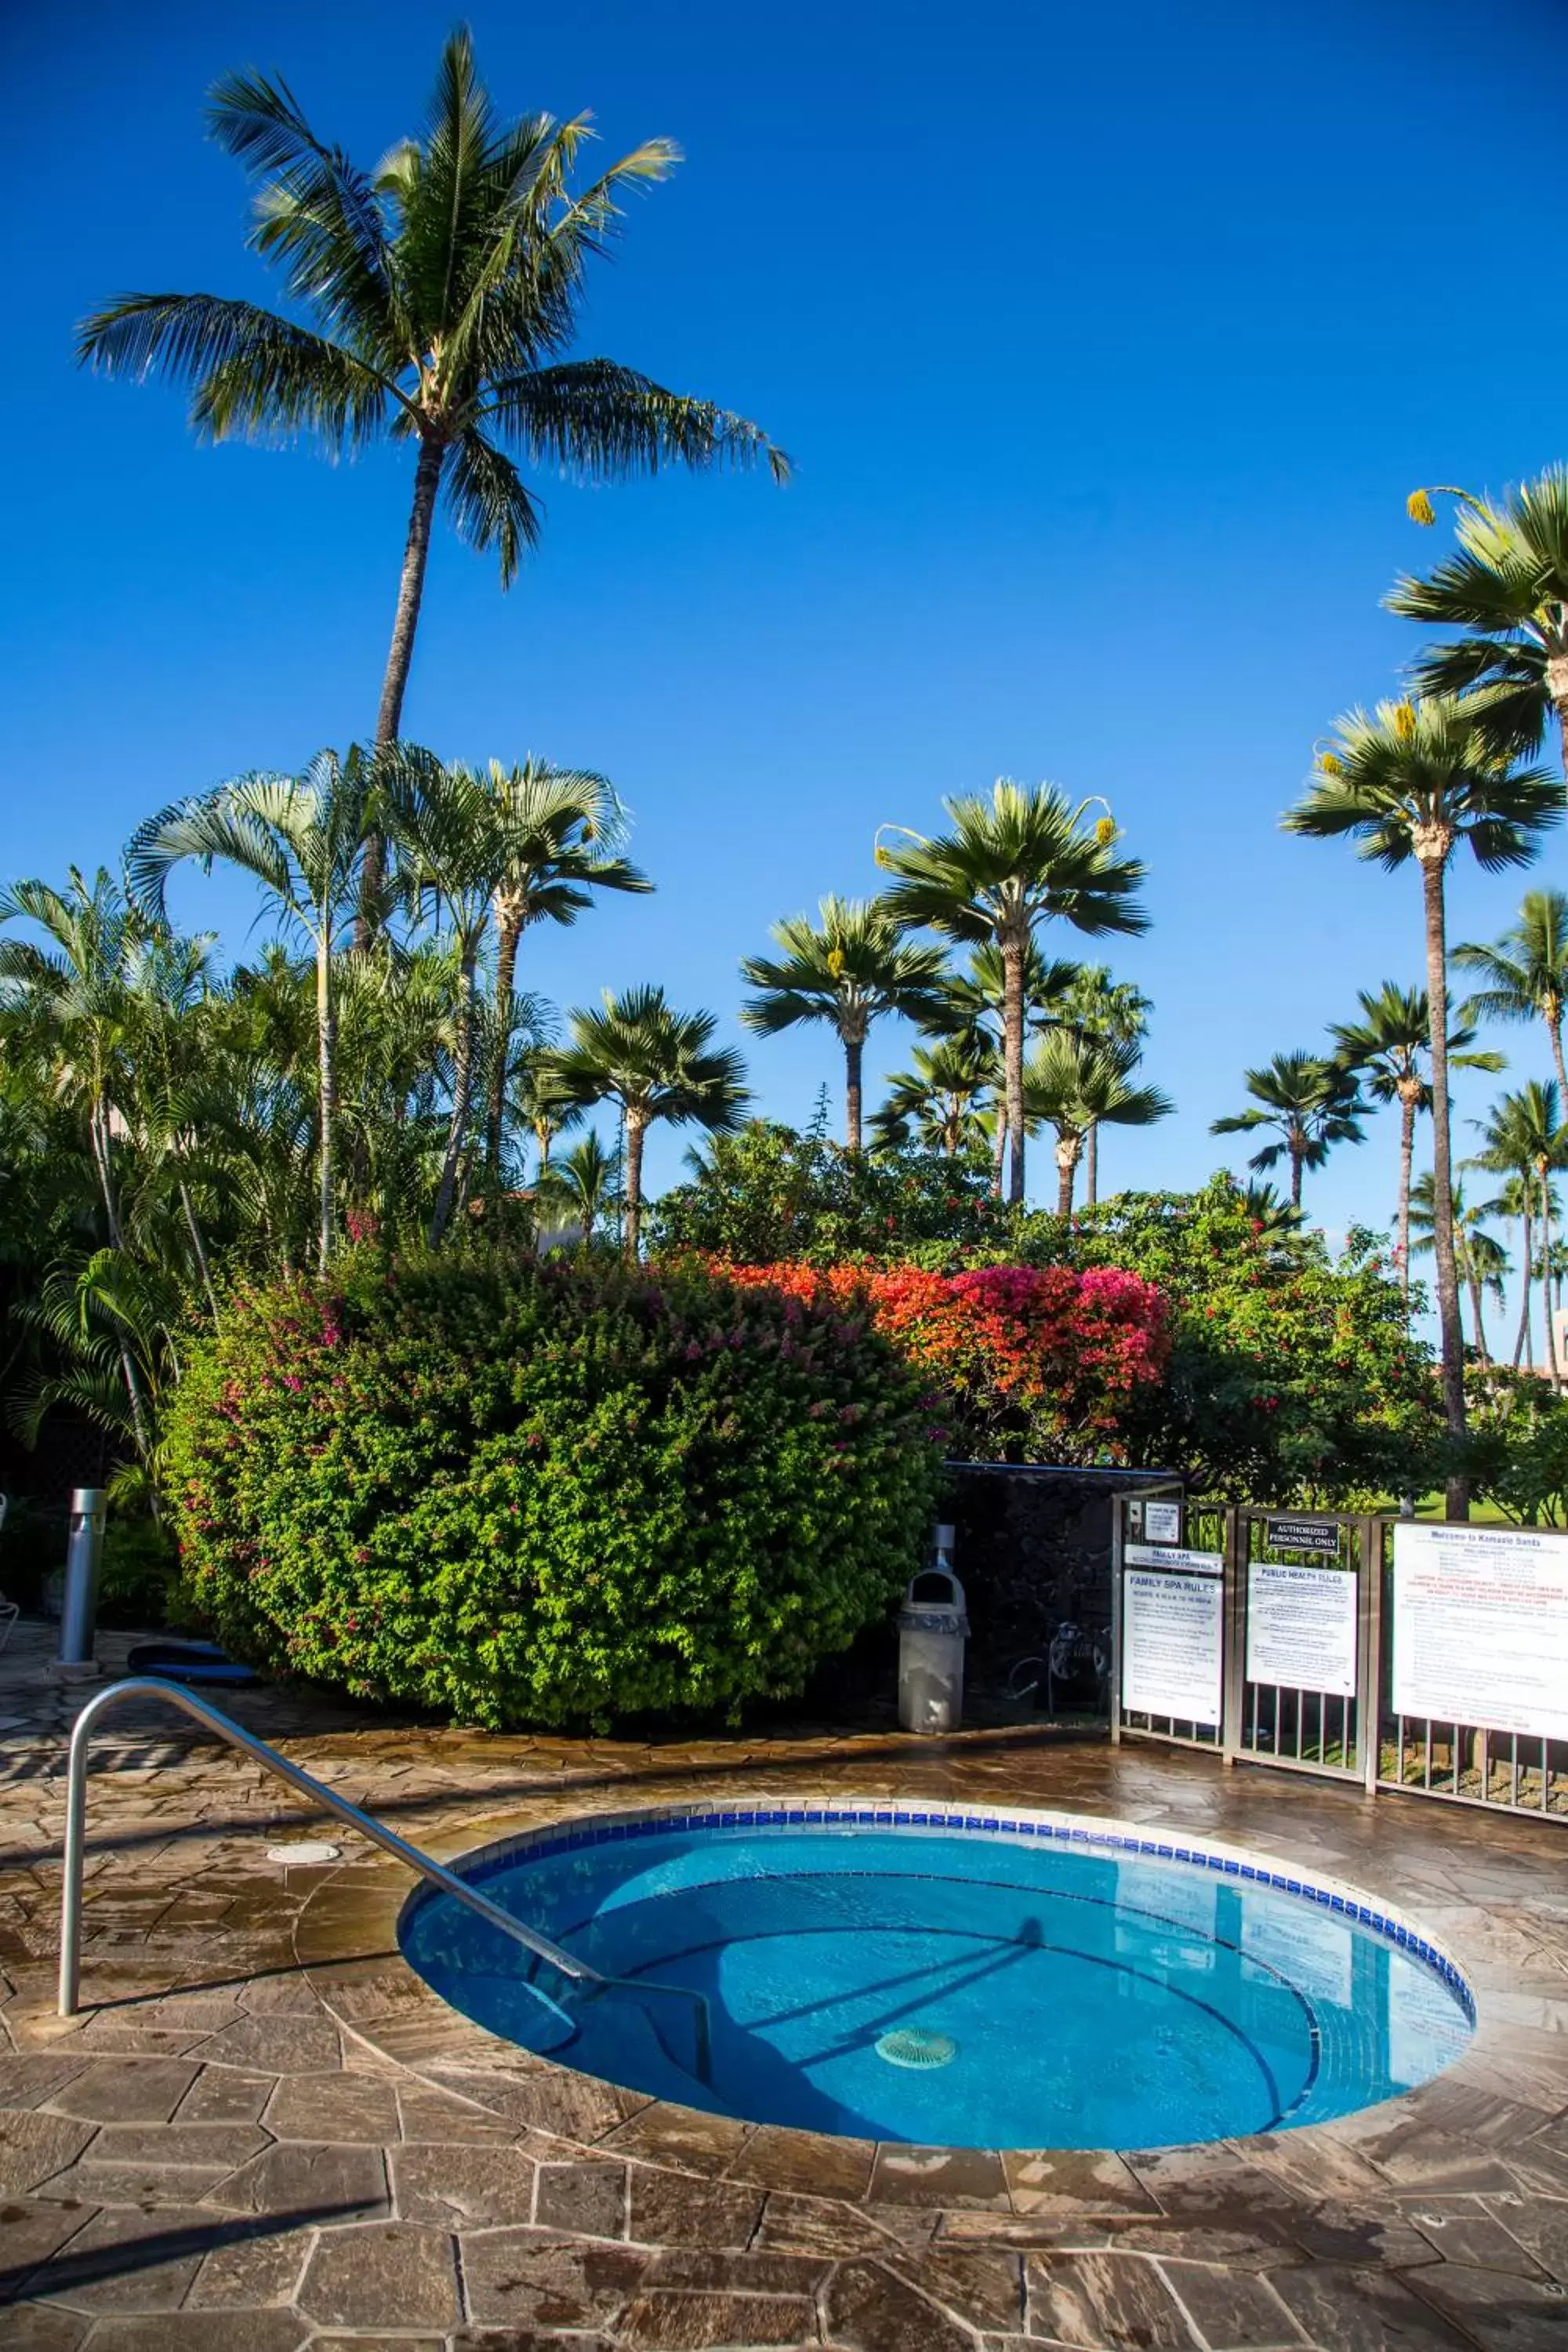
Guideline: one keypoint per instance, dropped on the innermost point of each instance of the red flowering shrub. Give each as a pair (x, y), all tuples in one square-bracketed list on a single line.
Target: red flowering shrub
[(1028, 1362)]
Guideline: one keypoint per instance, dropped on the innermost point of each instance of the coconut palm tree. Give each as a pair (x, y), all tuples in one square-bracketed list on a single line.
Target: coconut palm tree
[(1483, 1261), (1096, 1006), (656, 1064), (973, 1009), (1312, 1103), (1005, 865), (1505, 589), (304, 839), (1385, 1052), (564, 830), (434, 302), (1074, 1084), (539, 1100), (1523, 1136), (848, 970), (938, 1101), (1525, 975), (1409, 783)]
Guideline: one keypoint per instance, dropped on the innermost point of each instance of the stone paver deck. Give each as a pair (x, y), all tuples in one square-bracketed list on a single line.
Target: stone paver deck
[(268, 2133)]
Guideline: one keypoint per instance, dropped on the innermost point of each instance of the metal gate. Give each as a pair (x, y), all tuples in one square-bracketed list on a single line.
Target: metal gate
[(1269, 1637)]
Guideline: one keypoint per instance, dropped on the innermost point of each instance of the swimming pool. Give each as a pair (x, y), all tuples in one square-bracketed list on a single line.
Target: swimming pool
[(902, 1973)]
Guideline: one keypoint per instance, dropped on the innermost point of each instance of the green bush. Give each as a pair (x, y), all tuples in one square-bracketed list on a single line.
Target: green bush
[(768, 1193), (522, 1493), (141, 1571), (1293, 1375)]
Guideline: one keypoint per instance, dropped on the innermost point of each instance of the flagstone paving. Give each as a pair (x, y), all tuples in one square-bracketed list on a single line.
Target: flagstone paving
[(265, 2132)]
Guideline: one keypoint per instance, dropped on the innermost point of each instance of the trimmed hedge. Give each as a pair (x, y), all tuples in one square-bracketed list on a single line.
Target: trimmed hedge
[(517, 1493)]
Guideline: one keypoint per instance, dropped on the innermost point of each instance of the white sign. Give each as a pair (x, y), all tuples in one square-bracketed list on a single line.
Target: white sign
[(1163, 1522), (1172, 1644), (1481, 1627), (1301, 1627), (1195, 1563)]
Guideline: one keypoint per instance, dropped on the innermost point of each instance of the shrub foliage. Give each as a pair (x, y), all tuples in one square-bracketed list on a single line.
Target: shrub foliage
[(521, 1493), (769, 1193)]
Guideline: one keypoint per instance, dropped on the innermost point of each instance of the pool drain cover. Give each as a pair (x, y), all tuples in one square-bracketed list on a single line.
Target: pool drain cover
[(913, 2046)]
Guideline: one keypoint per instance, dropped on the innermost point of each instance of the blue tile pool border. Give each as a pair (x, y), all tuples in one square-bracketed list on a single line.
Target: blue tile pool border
[(593, 1830)]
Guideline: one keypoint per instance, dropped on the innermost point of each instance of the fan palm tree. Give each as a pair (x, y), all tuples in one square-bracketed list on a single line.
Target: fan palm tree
[(656, 1064), (583, 1185), (937, 1102), (1505, 589), (1074, 1084), (564, 830), (1005, 865), (1523, 1136), (1525, 975), (1310, 1102), (848, 970), (1273, 1219), (304, 839), (432, 301), (1482, 1260), (1386, 1050), (974, 1008), (1096, 1006), (1410, 783)]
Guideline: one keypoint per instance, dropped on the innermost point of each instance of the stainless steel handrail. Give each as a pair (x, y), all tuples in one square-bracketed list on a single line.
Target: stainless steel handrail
[(175, 1694)]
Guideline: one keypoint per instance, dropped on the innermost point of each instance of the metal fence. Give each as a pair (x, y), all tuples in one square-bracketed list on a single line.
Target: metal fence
[(1269, 1637)]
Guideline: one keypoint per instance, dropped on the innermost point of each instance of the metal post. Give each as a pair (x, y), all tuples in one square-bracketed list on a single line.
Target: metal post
[(1235, 1548), (1118, 1521), (1368, 1714), (84, 1559)]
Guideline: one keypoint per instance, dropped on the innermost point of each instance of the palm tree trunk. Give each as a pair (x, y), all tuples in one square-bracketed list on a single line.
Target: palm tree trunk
[(1473, 1287), (853, 1050), (1406, 1161), (1000, 1155), (1546, 1273), (1453, 1343), (1091, 1165), (633, 1189), (98, 1136), (1013, 1060), (326, 1058), (193, 1229), (1554, 1031), (1296, 1166), (400, 654), (458, 1125), (1524, 1340), (1068, 1150), (507, 934)]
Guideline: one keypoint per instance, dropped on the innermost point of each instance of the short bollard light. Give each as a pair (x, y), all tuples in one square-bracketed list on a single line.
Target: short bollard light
[(79, 1603), (933, 1632)]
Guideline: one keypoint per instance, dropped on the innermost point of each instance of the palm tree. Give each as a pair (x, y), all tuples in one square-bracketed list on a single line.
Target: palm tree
[(1273, 1219), (1524, 1137), (1075, 1085), (1526, 973), (1310, 1102), (1410, 783), (1505, 588), (1483, 1261), (437, 297), (539, 1099), (1097, 1006), (974, 1008), (1384, 1050), (936, 1102), (563, 829), (851, 971), (1005, 866), (73, 991), (656, 1064), (583, 1185), (304, 839)]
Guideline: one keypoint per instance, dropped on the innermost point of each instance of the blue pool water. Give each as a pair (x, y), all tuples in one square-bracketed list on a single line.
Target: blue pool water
[(946, 1987)]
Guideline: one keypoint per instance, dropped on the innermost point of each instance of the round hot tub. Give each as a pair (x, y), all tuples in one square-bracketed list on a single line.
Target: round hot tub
[(903, 1973)]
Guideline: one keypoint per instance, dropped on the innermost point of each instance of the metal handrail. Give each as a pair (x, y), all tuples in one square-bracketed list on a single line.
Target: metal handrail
[(173, 1694)]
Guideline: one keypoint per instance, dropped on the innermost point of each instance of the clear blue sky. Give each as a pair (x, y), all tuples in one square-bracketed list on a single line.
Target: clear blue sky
[(1108, 343)]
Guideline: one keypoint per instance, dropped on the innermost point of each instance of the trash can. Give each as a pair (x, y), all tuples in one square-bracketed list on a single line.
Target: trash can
[(79, 1604), (933, 1632)]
